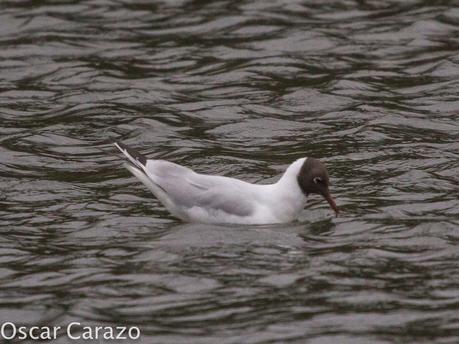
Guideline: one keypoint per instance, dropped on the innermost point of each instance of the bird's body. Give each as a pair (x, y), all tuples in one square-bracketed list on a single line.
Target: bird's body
[(195, 197)]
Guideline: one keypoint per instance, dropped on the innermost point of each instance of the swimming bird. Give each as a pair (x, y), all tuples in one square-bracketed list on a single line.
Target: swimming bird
[(195, 197)]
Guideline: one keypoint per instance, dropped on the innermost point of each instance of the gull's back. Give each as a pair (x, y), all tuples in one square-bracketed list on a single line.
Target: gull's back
[(202, 198)]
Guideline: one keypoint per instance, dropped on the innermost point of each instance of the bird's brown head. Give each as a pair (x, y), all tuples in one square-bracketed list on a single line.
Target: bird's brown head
[(313, 178)]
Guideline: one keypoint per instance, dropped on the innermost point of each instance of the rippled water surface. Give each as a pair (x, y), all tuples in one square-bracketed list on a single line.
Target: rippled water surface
[(238, 88)]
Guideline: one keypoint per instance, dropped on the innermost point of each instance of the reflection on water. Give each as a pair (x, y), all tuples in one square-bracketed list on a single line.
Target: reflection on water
[(240, 89)]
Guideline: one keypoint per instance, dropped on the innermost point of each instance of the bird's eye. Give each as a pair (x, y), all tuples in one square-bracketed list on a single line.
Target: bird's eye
[(317, 180)]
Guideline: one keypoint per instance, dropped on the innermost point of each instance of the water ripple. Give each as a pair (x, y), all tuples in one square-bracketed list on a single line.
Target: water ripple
[(239, 89)]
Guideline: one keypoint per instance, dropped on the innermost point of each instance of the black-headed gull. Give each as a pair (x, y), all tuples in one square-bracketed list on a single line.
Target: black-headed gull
[(196, 197)]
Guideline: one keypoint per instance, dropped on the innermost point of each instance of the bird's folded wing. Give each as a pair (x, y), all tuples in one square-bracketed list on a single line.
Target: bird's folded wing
[(188, 189), (229, 201)]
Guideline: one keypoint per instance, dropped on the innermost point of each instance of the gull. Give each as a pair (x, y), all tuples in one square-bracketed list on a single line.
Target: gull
[(202, 198)]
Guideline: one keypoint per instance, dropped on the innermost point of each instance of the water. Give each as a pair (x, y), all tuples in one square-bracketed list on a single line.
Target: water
[(239, 89)]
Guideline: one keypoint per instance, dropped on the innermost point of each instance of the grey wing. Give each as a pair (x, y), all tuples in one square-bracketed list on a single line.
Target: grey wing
[(188, 189), (229, 201)]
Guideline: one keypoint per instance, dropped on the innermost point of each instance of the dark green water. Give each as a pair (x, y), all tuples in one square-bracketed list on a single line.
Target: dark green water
[(238, 88)]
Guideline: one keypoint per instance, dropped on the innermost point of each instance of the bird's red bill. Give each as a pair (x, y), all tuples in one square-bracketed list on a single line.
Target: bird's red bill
[(332, 203)]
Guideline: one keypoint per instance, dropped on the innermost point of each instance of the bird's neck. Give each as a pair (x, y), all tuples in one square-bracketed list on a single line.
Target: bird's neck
[(290, 176), (287, 198)]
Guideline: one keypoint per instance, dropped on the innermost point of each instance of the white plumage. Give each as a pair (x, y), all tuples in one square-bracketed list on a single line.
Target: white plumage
[(196, 197)]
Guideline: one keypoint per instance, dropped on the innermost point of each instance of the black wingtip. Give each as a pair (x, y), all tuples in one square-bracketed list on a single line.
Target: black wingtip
[(135, 155)]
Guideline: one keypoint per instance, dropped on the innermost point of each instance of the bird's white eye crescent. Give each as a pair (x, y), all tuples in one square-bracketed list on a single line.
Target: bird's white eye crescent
[(317, 180)]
